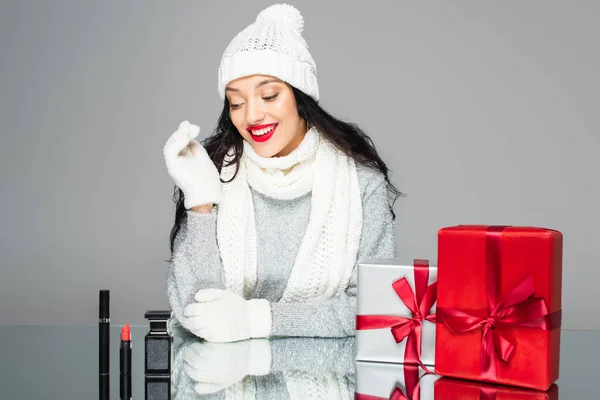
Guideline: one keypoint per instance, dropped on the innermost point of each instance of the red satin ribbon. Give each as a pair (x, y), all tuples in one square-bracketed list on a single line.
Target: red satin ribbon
[(486, 393), (411, 381), (396, 395), (419, 305), (518, 308)]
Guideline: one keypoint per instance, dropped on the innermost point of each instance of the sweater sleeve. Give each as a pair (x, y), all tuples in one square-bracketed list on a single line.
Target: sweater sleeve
[(336, 317), (316, 355), (196, 263)]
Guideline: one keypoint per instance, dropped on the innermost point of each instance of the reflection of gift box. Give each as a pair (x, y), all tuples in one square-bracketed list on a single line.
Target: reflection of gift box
[(381, 381), (499, 301), (454, 389), (395, 319)]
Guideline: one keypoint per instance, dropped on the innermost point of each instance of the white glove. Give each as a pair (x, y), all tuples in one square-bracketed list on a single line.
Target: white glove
[(222, 316), (216, 366), (191, 168)]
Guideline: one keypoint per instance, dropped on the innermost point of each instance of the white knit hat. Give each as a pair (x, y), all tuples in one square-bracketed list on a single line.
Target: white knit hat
[(273, 45)]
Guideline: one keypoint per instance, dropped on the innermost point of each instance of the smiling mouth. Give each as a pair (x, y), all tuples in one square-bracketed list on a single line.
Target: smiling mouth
[(262, 133)]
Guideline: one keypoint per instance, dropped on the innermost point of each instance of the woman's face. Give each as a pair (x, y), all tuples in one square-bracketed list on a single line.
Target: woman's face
[(263, 110)]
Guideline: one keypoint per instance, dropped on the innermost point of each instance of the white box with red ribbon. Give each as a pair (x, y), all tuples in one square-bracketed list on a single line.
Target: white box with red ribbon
[(395, 319)]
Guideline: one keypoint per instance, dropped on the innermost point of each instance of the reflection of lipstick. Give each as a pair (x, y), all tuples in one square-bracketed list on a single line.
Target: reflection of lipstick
[(264, 137), (125, 363)]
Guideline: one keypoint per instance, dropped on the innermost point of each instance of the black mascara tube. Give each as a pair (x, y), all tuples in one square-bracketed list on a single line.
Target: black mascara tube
[(104, 345)]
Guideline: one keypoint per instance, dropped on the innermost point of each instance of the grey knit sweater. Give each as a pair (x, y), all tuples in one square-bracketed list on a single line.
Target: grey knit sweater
[(280, 226)]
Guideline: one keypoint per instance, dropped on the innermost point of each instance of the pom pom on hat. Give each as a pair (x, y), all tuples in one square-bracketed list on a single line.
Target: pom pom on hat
[(273, 45), (283, 13)]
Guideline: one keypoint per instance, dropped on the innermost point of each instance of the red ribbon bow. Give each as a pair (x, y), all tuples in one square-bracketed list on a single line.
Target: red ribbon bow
[(419, 305), (518, 308)]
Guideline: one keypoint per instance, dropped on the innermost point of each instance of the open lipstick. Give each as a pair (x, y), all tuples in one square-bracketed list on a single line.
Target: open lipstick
[(262, 133), (125, 363)]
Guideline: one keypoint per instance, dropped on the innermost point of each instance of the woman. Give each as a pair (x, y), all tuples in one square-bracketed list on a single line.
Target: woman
[(275, 209)]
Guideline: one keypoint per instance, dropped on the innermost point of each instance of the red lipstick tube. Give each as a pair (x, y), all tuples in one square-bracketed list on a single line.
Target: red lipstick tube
[(125, 364)]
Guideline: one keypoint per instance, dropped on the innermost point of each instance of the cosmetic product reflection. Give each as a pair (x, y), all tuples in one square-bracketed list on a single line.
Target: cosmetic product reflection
[(157, 357), (104, 344), (125, 364)]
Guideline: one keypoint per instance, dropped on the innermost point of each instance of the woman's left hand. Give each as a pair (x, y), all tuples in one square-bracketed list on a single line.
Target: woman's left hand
[(222, 316), (217, 366)]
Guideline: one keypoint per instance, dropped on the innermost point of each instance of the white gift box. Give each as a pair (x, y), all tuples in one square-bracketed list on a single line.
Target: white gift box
[(376, 296), (380, 379)]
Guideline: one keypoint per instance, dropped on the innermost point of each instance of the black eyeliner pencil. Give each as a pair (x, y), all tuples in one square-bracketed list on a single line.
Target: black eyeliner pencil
[(104, 345)]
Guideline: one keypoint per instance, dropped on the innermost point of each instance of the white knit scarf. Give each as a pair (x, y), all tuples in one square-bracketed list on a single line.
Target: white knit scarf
[(328, 252)]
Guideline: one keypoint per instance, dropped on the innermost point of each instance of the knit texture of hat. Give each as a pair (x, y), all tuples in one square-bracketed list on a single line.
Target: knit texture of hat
[(273, 45)]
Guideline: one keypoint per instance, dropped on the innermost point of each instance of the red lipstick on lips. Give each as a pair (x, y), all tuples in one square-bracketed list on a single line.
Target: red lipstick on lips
[(264, 137)]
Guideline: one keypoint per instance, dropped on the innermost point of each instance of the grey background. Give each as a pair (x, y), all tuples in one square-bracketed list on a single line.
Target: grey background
[(485, 111)]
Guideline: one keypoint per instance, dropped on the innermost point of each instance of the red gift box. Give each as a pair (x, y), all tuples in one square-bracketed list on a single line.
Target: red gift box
[(452, 389), (499, 304)]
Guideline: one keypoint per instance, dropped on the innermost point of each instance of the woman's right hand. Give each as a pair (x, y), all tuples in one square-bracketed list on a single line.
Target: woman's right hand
[(191, 168)]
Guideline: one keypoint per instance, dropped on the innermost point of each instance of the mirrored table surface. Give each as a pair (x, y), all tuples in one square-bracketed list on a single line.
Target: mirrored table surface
[(61, 362)]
